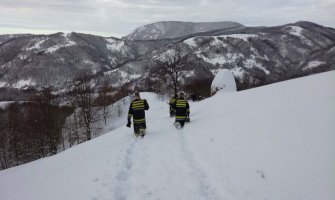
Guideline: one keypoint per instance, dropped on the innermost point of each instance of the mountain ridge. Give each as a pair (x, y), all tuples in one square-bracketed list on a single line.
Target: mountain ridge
[(175, 29), (256, 54)]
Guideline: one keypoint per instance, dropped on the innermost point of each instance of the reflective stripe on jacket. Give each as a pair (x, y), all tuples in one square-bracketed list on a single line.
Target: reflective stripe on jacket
[(182, 109), (137, 110)]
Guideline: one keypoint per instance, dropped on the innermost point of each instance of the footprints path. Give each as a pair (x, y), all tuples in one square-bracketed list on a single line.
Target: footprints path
[(160, 166)]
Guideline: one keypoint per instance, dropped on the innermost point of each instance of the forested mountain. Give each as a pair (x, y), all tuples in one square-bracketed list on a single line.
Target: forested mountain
[(175, 29), (256, 55)]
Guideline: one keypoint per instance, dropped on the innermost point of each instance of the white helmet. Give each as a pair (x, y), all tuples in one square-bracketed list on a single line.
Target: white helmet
[(181, 94)]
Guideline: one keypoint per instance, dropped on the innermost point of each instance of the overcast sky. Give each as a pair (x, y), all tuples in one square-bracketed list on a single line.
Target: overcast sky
[(119, 17)]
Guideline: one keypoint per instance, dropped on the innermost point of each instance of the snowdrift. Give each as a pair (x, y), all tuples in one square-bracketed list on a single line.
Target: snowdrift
[(272, 142), (224, 81)]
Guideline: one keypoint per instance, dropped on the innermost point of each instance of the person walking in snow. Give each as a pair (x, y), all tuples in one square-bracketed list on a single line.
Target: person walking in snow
[(171, 103), (182, 109), (137, 112)]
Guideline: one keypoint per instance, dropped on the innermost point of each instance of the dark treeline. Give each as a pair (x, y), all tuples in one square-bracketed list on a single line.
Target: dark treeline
[(29, 131), (39, 127)]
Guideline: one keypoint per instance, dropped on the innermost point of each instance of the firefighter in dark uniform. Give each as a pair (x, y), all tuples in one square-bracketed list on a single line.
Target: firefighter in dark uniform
[(182, 110), (171, 103), (137, 111)]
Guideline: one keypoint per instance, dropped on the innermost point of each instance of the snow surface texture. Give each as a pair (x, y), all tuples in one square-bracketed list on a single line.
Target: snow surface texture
[(224, 81), (114, 45), (313, 64), (23, 83), (275, 142), (296, 30), (4, 104), (66, 43), (2, 84)]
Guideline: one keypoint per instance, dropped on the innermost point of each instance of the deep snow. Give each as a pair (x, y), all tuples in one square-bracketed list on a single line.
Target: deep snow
[(224, 81), (274, 142)]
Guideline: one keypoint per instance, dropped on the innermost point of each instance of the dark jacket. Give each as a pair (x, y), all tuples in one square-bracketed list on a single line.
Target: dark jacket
[(182, 109), (172, 102), (136, 110)]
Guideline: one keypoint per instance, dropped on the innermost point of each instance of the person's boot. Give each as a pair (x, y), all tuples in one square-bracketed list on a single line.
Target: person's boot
[(177, 125), (142, 132)]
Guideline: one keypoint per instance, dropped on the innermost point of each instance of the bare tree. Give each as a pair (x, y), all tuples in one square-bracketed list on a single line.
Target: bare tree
[(84, 99), (104, 99), (30, 130), (14, 131), (4, 149), (171, 68), (48, 120), (71, 129)]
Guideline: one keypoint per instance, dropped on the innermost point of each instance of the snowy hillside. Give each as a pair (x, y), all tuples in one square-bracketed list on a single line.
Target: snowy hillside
[(255, 55), (26, 60), (275, 142)]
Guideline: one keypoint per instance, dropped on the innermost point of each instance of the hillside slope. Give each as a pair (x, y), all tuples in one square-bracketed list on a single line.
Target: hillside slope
[(273, 142), (255, 55)]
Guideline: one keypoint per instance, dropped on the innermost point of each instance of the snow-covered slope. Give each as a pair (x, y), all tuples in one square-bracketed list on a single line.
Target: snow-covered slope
[(224, 81), (272, 142)]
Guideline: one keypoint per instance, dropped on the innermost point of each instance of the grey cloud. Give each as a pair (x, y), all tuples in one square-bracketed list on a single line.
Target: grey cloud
[(123, 16), (60, 5)]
